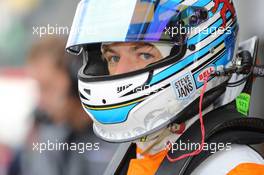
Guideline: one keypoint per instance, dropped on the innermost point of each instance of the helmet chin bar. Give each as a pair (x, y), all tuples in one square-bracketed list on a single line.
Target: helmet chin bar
[(210, 98)]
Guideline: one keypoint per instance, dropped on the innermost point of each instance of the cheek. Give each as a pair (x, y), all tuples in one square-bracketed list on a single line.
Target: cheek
[(112, 70), (143, 63)]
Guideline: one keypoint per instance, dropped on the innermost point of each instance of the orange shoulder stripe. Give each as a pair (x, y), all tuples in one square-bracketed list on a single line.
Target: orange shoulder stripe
[(248, 169)]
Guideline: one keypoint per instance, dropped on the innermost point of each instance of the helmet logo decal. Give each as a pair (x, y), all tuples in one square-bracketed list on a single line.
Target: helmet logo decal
[(227, 5), (183, 86), (205, 73), (122, 88)]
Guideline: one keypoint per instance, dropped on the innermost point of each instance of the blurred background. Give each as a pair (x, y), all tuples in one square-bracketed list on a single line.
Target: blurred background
[(21, 96), (38, 93)]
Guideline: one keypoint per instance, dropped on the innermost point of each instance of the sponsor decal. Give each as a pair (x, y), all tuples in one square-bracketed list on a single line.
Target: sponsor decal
[(122, 88), (227, 5), (184, 86), (141, 88), (243, 103), (205, 73)]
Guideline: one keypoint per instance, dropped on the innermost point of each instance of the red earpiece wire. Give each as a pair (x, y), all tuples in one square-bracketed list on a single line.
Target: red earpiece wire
[(198, 151)]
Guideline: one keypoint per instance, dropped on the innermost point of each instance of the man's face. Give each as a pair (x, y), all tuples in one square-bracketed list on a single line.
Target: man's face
[(128, 57), (53, 86)]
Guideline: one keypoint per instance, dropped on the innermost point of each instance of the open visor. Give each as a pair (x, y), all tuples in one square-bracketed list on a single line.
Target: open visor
[(108, 21), (130, 20)]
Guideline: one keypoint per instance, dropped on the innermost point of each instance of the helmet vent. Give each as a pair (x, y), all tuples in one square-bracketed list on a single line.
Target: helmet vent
[(88, 91)]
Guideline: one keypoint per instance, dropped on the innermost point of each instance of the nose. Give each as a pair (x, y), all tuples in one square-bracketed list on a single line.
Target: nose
[(125, 64)]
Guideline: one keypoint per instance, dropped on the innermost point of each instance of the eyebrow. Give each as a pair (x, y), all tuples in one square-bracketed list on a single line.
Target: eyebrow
[(106, 48), (140, 45)]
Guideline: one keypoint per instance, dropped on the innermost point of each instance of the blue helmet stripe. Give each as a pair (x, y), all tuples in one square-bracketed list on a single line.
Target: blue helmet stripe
[(112, 116), (202, 3), (185, 62)]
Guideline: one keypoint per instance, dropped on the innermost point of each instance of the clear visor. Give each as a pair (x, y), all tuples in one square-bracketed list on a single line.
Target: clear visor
[(99, 21), (126, 29)]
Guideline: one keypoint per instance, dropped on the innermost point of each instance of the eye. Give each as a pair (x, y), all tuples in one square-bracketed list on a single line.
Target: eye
[(113, 59), (146, 56)]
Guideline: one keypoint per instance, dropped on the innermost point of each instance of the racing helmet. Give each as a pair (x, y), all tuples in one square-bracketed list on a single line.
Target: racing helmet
[(193, 38)]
